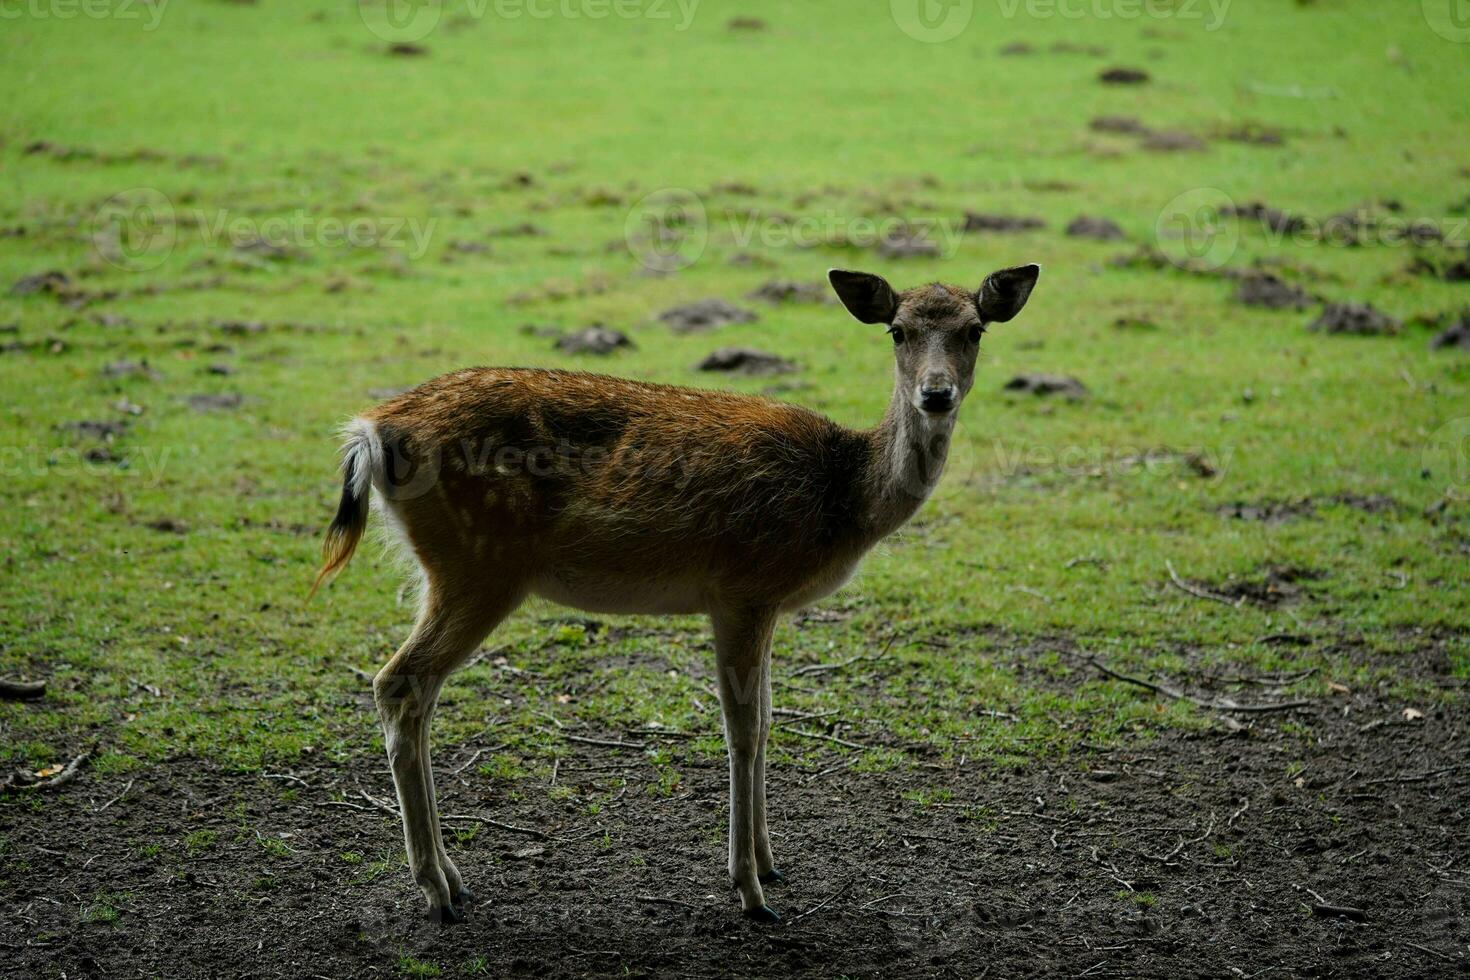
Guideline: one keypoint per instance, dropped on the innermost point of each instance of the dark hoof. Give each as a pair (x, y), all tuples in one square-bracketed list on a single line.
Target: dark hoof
[(465, 897), (773, 877), (764, 914), (446, 914)]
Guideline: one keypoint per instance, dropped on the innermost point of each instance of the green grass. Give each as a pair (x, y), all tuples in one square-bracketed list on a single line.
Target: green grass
[(1054, 528)]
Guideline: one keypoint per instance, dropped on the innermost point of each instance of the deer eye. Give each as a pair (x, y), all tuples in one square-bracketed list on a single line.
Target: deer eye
[(975, 333), (897, 334)]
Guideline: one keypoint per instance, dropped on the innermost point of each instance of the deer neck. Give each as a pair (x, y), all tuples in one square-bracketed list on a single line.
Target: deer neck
[(908, 451)]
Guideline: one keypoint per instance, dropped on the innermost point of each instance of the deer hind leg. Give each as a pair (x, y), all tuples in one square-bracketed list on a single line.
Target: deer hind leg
[(406, 690), (742, 645), (765, 863)]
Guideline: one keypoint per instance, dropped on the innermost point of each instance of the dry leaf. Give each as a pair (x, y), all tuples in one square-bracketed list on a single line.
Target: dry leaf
[(1301, 782), (48, 771), (1337, 688), (1412, 714)]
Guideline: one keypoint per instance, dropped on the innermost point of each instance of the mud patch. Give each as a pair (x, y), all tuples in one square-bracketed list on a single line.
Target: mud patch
[(1173, 141), (1000, 223), (780, 291), (1456, 336), (1123, 76), (1119, 125), (1097, 229), (1357, 319), (905, 244), (1272, 292), (1048, 384), (1271, 586), (706, 314), (225, 402), (595, 339), (745, 360), (1275, 219)]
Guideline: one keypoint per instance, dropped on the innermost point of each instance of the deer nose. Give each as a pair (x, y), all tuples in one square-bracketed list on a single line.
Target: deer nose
[(937, 399)]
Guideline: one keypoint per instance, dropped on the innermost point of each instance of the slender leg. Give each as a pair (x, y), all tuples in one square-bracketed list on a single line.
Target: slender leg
[(405, 691), (765, 864), (742, 640)]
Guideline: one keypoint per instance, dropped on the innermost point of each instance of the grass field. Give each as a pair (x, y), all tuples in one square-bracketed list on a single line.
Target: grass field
[(265, 219)]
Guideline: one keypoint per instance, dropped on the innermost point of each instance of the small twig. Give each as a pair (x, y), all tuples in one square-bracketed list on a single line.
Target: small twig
[(117, 797), (822, 668), (67, 774), (1325, 911), (1197, 592), (656, 900), (826, 901), (602, 742), (828, 738), (1418, 777), (1201, 702)]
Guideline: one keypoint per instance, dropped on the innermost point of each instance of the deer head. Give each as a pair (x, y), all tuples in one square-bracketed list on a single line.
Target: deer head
[(936, 329)]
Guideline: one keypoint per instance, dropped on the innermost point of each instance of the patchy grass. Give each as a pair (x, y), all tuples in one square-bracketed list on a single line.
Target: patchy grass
[(157, 576)]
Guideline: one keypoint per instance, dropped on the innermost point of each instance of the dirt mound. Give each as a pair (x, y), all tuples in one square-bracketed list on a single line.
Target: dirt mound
[(905, 244), (1272, 218), (705, 314), (1173, 141), (1456, 335), (53, 281), (1123, 76), (1098, 229), (1271, 292), (745, 360), (1360, 319), (1271, 586), (1048, 384), (1002, 223), (1119, 125), (789, 291), (595, 339), (1267, 511)]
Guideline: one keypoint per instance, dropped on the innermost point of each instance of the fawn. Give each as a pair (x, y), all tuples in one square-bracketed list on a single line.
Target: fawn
[(614, 496)]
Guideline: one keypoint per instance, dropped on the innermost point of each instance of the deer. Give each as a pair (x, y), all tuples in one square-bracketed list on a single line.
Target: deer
[(615, 496)]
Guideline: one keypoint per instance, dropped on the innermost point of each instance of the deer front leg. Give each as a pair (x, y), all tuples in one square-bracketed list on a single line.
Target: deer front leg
[(742, 643)]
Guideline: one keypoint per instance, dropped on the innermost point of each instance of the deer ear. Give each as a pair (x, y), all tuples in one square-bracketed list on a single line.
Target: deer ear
[(1003, 293), (867, 297)]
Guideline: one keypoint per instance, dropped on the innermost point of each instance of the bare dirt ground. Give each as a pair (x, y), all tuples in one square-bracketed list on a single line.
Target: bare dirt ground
[(1324, 842)]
